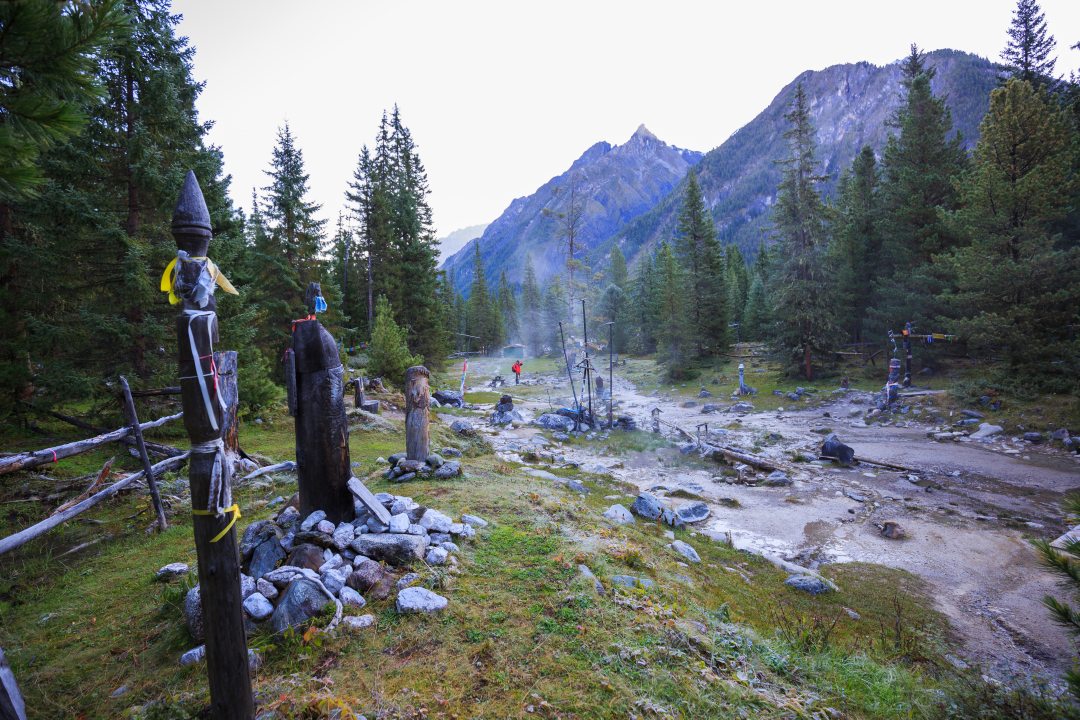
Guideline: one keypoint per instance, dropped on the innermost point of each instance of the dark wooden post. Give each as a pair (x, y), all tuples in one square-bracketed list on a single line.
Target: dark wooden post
[(417, 400), (208, 473), (322, 428), (226, 363), (151, 481)]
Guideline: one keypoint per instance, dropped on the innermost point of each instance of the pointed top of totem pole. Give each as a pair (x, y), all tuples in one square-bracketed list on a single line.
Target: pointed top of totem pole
[(191, 219)]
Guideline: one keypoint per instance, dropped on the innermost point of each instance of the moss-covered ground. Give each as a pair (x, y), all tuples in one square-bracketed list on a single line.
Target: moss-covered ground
[(524, 634)]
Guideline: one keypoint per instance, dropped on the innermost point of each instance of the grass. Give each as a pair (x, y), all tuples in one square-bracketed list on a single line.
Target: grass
[(524, 635)]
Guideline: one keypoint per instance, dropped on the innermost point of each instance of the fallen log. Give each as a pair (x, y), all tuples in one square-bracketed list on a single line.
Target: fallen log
[(24, 536), (880, 463), (175, 390), (279, 467), (156, 448), (751, 460), (34, 458)]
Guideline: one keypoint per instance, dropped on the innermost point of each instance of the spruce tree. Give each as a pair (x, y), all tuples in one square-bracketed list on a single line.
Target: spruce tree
[(756, 318), (855, 242), (484, 320), (619, 274), (532, 311), (613, 309), (554, 313), (508, 309), (738, 282), (644, 311), (673, 332), (802, 285), (1018, 284), (388, 354), (701, 258), (1027, 52)]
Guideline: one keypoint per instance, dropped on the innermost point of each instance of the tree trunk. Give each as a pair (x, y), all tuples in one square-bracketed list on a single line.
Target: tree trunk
[(806, 362), (417, 400)]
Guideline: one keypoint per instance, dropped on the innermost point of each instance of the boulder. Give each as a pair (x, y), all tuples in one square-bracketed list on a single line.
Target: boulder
[(450, 452), (334, 580), (709, 408), (672, 518), (552, 421), (394, 549), (172, 571), (435, 460), (695, 512), (589, 577), (399, 523), (358, 622), (447, 470), (1033, 437), (807, 583), (433, 520), (778, 478), (838, 451), (254, 535), (351, 598), (986, 431), (344, 534), (305, 556), (463, 428), (419, 600), (452, 398), (619, 515), (365, 576), (741, 407), (505, 418), (302, 600), (266, 557), (892, 530), (474, 521), (193, 614), (406, 580), (436, 556), (258, 607), (686, 551), (647, 506)]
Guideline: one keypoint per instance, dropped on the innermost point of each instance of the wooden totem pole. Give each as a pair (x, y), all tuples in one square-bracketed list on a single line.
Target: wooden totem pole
[(190, 280), (417, 401), (315, 381)]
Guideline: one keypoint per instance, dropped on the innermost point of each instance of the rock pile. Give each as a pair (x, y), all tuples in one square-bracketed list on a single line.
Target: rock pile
[(293, 567), (650, 507), (505, 413), (403, 470)]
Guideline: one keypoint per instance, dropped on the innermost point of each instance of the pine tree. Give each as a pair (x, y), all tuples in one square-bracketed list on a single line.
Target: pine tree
[(619, 275), (1027, 53), (508, 309), (702, 260), (855, 242), (755, 324), (1018, 285), (483, 310), (644, 311), (919, 169), (47, 76), (1065, 563), (554, 313), (804, 305), (532, 311), (388, 354), (673, 334), (737, 281), (613, 309)]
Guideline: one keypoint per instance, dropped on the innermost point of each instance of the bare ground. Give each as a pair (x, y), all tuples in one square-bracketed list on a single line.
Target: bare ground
[(968, 510)]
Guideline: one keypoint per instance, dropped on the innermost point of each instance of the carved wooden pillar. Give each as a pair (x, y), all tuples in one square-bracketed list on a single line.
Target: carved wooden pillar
[(417, 400)]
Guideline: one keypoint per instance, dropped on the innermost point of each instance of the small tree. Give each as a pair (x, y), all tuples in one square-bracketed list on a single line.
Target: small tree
[(1066, 564), (389, 355)]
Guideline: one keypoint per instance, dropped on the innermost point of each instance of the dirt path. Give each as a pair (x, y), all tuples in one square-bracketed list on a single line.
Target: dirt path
[(968, 512)]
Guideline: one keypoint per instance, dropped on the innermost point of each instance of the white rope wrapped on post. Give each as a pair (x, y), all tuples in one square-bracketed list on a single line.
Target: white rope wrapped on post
[(24, 536)]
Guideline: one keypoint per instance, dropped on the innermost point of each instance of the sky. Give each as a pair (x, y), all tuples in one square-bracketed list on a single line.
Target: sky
[(502, 96)]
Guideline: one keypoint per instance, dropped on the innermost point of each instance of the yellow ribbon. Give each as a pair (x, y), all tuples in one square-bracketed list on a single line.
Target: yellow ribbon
[(234, 509), (168, 279)]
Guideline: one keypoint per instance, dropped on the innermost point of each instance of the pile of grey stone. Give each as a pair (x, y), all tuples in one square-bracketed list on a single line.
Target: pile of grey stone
[(650, 507), (403, 470), (505, 413), (293, 567)]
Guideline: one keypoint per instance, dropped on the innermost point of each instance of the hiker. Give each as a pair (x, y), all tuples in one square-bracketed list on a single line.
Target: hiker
[(517, 372)]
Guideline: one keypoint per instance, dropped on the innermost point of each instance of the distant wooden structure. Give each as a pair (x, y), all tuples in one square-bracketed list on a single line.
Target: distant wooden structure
[(515, 350)]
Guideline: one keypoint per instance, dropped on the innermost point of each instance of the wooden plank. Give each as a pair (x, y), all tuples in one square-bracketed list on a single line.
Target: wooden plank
[(33, 458), (151, 481), (24, 536), (361, 492)]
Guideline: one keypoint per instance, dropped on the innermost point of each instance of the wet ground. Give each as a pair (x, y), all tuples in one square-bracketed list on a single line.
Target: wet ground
[(968, 509)]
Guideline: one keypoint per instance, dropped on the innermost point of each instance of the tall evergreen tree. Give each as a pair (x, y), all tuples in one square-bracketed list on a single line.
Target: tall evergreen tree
[(619, 274), (508, 309), (673, 333), (803, 303), (919, 169), (644, 311), (702, 259), (484, 323), (1027, 52), (1018, 285), (737, 281), (294, 229), (855, 242), (554, 313), (532, 311)]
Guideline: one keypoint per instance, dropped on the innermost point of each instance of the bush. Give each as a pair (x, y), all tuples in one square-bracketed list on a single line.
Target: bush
[(388, 354)]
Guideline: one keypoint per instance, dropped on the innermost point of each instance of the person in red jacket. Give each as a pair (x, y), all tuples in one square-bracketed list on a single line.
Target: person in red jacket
[(517, 372)]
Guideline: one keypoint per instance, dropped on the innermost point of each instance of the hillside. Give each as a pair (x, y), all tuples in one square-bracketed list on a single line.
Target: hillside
[(850, 106), (620, 182), (454, 241)]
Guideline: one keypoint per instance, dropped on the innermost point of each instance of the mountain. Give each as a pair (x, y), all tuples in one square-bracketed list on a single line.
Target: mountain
[(456, 240), (618, 183), (850, 106)]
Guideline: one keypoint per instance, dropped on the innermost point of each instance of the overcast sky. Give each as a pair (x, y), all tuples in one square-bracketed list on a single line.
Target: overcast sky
[(501, 96)]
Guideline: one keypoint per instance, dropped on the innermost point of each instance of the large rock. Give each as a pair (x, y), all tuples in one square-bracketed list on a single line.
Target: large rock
[(833, 448), (258, 607), (986, 431), (306, 556), (647, 506), (463, 428), (266, 557), (391, 548), (172, 571), (449, 397), (300, 602), (694, 512), (254, 535), (419, 600), (474, 521), (807, 583), (344, 534), (366, 575), (433, 520), (449, 469), (619, 515), (686, 551), (505, 418), (552, 421), (193, 614)]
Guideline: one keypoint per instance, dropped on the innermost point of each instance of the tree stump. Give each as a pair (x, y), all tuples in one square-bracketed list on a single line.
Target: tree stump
[(417, 401), (322, 428)]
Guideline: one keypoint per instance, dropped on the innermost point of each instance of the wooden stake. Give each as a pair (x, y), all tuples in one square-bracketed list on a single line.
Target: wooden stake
[(151, 481), (12, 706), (417, 400)]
